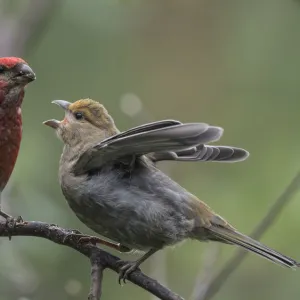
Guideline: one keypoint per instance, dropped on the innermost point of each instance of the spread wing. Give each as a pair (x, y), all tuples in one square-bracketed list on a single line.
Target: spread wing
[(162, 136), (203, 153)]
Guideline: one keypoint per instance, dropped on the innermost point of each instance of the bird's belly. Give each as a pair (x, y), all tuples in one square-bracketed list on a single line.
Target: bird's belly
[(115, 223), (138, 221)]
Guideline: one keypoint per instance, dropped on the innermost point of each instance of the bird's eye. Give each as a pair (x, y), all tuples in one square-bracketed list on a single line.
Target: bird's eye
[(2, 69), (78, 115)]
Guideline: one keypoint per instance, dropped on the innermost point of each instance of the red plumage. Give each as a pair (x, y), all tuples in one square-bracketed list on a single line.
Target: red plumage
[(15, 74), (10, 62), (10, 140)]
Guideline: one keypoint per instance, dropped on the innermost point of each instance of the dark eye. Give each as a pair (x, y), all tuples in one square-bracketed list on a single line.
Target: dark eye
[(2, 69), (78, 115)]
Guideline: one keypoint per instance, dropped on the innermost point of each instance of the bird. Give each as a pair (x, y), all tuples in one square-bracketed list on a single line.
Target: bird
[(15, 74), (112, 183)]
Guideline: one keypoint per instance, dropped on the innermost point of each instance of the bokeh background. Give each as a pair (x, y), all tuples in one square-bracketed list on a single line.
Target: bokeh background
[(231, 63)]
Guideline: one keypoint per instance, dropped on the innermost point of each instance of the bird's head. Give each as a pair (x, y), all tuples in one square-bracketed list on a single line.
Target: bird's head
[(86, 121), (14, 71)]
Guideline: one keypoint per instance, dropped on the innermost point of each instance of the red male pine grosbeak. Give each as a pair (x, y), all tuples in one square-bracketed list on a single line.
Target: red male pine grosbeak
[(15, 74)]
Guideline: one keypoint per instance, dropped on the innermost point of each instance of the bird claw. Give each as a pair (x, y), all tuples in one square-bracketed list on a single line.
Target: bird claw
[(125, 269), (73, 233), (11, 224), (14, 221)]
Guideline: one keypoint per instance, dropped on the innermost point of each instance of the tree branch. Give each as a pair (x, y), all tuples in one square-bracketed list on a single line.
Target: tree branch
[(206, 276), (96, 278), (99, 259), (265, 223)]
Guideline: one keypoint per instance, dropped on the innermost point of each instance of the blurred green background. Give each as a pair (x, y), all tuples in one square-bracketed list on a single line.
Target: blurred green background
[(231, 63)]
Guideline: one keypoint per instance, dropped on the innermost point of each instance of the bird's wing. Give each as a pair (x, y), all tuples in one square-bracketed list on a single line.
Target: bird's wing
[(145, 127), (203, 153), (162, 136)]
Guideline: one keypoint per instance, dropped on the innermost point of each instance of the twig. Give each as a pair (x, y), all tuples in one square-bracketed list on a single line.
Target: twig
[(65, 237), (205, 277), (20, 34), (266, 222), (158, 268), (96, 278)]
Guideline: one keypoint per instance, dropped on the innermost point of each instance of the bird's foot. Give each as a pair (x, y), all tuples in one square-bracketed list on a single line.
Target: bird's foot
[(11, 222), (126, 268), (74, 233)]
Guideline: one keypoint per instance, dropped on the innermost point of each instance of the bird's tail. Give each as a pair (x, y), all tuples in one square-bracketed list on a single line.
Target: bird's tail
[(231, 236)]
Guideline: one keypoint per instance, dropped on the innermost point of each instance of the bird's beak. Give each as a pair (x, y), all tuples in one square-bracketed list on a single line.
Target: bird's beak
[(55, 123), (62, 103), (52, 123), (25, 72)]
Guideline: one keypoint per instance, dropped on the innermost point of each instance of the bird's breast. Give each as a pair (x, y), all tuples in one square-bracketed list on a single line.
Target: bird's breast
[(10, 139), (143, 209)]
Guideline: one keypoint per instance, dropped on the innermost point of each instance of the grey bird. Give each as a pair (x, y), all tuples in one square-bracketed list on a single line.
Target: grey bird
[(110, 181)]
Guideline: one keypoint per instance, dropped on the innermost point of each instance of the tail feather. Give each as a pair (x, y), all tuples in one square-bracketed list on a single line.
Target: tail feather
[(234, 237)]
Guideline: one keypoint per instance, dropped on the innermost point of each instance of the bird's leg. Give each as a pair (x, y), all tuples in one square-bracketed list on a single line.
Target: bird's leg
[(129, 266), (2, 213), (9, 218), (5, 215)]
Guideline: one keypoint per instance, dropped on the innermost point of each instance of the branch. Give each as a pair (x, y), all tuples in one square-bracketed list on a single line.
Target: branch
[(99, 259), (96, 278), (266, 222), (205, 277), (20, 34)]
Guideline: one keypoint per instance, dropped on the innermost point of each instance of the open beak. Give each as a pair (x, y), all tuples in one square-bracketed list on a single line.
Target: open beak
[(52, 123), (55, 123)]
